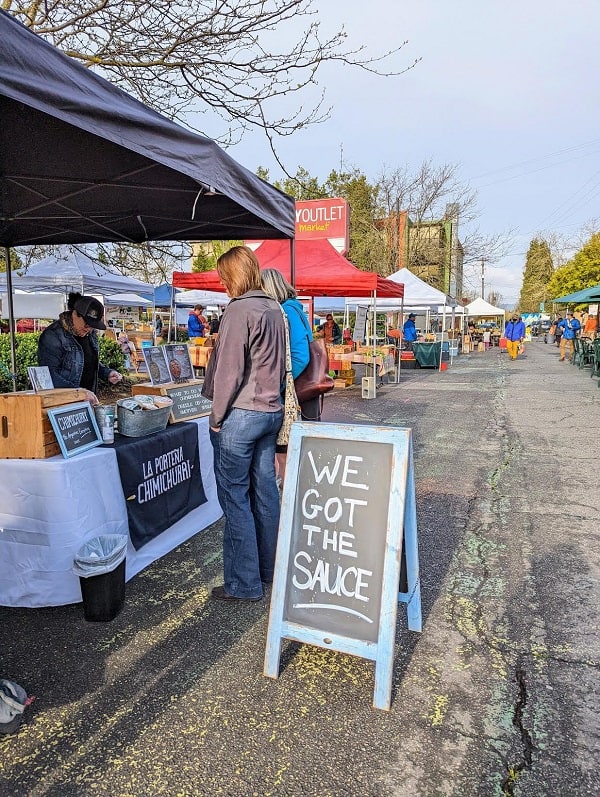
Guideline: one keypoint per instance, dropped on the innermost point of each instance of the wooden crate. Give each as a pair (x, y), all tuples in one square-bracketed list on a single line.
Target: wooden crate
[(25, 431), (343, 383)]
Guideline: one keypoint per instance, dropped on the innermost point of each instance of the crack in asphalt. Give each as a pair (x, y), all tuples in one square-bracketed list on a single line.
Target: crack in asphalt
[(514, 770)]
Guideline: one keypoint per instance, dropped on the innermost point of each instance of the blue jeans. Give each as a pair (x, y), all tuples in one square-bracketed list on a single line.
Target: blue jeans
[(244, 457)]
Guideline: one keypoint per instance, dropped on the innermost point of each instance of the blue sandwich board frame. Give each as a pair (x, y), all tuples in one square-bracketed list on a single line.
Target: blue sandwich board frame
[(348, 508)]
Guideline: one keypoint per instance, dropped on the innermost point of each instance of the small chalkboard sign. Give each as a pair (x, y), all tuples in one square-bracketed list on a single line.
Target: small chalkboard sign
[(188, 402), (348, 507), (75, 428)]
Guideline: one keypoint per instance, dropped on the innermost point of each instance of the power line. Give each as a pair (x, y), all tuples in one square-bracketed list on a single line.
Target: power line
[(536, 160)]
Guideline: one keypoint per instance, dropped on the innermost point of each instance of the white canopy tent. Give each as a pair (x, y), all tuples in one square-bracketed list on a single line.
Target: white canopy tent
[(205, 298), (479, 308), (74, 271), (419, 297)]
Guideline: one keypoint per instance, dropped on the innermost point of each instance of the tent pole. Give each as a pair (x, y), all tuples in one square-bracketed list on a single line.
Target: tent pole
[(171, 314), (400, 339), (11, 319), (374, 334), (293, 262)]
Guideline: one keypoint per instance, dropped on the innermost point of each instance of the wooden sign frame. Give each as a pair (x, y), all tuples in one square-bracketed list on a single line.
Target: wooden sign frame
[(177, 391), (401, 530), (54, 416)]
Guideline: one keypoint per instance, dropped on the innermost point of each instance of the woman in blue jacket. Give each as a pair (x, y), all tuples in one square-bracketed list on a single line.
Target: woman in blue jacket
[(277, 287)]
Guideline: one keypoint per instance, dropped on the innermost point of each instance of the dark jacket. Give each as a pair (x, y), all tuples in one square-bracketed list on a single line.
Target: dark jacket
[(60, 351), (247, 367)]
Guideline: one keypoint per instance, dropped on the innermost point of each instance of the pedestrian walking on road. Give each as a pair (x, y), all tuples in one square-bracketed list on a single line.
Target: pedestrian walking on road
[(570, 326), (514, 333)]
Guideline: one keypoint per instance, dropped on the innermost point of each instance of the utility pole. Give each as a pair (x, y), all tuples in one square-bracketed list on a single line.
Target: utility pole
[(397, 233), (483, 278)]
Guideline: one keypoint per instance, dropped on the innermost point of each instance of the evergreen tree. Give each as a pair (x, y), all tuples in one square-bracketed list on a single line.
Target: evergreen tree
[(538, 272)]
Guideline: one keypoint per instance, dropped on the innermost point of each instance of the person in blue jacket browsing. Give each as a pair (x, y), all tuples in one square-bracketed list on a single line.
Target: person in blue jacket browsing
[(570, 327)]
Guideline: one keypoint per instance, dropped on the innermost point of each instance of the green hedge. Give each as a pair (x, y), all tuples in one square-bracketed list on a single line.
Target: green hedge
[(26, 355)]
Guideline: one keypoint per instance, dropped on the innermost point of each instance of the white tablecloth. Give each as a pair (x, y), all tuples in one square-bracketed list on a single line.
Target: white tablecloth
[(50, 507)]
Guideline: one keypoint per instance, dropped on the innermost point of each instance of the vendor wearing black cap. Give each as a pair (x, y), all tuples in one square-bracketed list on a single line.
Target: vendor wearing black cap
[(409, 331), (69, 347)]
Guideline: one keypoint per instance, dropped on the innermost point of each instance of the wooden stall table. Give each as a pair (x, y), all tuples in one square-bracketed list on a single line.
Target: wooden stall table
[(383, 363), (50, 507)]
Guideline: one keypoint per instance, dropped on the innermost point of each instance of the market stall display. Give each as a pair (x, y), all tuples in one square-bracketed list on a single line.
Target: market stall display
[(42, 531), (427, 354)]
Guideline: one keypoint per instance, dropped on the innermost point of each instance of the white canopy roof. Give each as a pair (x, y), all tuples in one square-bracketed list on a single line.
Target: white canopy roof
[(75, 271), (417, 293), (127, 300), (205, 298), (479, 307)]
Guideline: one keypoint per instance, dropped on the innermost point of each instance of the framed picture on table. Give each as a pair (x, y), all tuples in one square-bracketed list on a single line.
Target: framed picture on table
[(39, 376), (75, 428)]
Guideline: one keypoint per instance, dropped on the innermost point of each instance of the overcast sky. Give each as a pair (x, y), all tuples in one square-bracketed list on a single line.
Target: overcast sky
[(508, 91)]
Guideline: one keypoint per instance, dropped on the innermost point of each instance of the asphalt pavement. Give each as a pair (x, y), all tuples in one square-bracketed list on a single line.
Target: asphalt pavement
[(498, 695)]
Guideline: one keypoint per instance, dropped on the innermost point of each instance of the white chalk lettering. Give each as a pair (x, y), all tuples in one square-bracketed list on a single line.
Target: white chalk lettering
[(331, 579), (348, 471), (339, 541), (311, 510), (67, 421), (330, 475)]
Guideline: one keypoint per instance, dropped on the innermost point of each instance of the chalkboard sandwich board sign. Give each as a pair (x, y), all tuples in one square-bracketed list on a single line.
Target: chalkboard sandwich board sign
[(188, 401), (75, 428), (348, 509)]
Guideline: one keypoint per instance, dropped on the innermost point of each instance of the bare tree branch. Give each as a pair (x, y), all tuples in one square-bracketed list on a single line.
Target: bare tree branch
[(242, 60)]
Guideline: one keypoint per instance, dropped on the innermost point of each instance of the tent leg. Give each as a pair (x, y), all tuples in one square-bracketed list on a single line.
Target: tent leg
[(11, 320)]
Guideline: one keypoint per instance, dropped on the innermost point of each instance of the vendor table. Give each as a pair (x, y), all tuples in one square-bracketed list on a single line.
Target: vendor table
[(50, 507), (427, 354), (385, 363)]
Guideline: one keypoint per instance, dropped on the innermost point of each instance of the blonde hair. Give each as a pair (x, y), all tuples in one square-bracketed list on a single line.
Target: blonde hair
[(239, 270), (275, 285)]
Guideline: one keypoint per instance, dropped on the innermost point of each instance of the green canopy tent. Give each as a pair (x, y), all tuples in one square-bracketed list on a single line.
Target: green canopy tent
[(590, 294)]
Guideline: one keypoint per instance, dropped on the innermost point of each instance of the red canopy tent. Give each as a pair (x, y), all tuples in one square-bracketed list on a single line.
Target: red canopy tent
[(320, 271)]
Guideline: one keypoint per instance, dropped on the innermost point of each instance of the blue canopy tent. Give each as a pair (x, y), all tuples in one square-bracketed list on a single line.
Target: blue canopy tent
[(163, 295)]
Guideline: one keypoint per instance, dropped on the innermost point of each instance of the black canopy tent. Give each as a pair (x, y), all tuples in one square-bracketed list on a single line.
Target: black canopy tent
[(83, 162)]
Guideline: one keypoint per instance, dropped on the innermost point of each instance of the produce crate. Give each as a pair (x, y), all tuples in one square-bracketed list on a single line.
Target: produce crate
[(343, 383), (334, 350), (25, 431)]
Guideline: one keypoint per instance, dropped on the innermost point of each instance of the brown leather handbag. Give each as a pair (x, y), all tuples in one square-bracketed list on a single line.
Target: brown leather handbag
[(314, 380)]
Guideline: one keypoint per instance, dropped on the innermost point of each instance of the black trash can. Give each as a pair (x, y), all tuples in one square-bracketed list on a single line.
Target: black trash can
[(104, 595), (100, 565)]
